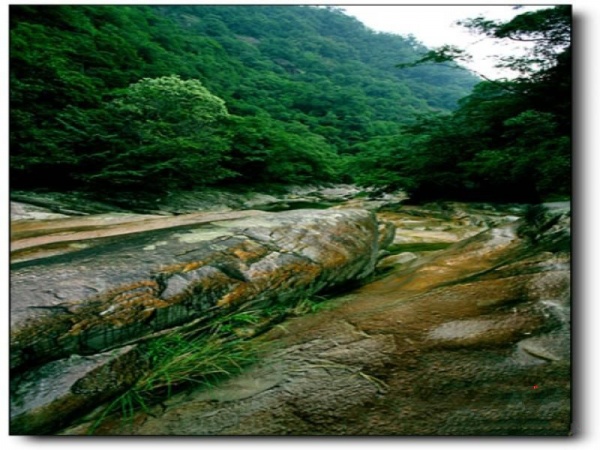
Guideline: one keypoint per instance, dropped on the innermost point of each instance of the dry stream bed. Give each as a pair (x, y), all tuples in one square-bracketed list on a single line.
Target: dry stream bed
[(464, 329)]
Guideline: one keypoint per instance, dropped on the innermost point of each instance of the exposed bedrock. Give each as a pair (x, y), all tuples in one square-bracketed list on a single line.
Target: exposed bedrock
[(75, 312), (473, 339)]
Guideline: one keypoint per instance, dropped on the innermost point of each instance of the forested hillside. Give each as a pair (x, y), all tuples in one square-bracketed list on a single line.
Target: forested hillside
[(510, 140), (149, 99)]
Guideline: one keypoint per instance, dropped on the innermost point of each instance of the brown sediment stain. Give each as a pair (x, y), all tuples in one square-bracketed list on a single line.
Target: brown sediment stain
[(125, 308), (250, 251), (191, 266), (274, 281)]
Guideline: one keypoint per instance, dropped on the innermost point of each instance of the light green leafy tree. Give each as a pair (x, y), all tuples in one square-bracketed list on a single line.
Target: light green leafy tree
[(161, 134)]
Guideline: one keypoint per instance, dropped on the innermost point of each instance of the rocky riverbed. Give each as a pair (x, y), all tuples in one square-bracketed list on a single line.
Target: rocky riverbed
[(462, 327)]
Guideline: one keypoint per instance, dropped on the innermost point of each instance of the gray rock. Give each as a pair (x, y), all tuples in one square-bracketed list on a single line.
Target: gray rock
[(549, 347), (474, 340), (54, 394), (70, 204), (339, 193), (112, 293), (260, 200), (387, 233), (25, 211), (126, 288)]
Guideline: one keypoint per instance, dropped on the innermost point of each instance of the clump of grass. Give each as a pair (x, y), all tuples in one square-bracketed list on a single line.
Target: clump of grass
[(176, 362), (203, 358), (309, 306)]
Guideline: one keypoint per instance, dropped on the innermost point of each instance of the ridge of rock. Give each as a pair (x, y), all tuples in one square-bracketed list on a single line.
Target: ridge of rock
[(128, 288)]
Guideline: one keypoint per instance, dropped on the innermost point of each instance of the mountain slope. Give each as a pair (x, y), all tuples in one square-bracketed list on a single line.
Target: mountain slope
[(302, 85)]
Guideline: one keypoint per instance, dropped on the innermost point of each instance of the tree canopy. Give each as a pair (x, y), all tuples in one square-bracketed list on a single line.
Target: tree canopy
[(155, 98), (133, 97), (508, 140)]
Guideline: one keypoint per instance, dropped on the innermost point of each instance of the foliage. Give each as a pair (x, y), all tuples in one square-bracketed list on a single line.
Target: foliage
[(204, 357), (94, 100), (158, 134), (264, 150), (153, 99), (507, 141), (549, 29)]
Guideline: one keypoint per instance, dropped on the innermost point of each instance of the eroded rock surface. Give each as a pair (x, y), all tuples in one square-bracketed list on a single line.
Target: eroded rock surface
[(472, 340), (124, 286), (53, 395)]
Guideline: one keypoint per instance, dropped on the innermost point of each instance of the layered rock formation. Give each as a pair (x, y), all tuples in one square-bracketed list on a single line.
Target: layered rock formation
[(464, 331), (78, 313), (473, 339)]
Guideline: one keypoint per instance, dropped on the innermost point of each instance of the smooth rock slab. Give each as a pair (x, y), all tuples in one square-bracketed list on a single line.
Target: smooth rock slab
[(459, 346), (396, 260)]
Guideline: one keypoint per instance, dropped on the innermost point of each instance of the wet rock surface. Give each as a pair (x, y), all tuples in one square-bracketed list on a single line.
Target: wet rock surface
[(143, 277), (31, 240), (464, 331), (470, 340), (27, 211), (207, 200)]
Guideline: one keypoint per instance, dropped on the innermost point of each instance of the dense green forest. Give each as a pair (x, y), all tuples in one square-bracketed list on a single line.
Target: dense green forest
[(150, 99), (301, 87), (507, 141)]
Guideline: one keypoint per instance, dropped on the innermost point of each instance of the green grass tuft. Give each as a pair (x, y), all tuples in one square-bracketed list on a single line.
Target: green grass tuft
[(203, 358)]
